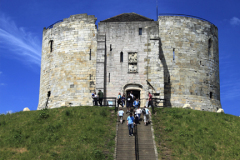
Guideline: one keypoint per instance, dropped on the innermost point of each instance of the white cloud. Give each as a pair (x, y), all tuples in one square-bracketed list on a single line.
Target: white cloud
[(19, 41), (235, 21), (2, 84)]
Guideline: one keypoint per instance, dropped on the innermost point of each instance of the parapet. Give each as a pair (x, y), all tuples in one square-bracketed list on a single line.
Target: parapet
[(82, 17)]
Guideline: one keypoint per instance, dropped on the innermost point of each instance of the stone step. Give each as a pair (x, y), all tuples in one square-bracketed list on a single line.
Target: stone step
[(127, 158), (126, 154), (146, 146), (147, 158)]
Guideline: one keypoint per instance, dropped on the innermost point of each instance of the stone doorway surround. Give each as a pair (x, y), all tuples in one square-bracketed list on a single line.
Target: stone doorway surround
[(136, 87)]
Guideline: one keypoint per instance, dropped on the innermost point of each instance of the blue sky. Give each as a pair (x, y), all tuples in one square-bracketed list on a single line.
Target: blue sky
[(22, 23)]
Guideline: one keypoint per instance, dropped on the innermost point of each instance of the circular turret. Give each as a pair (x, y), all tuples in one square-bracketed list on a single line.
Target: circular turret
[(189, 53)]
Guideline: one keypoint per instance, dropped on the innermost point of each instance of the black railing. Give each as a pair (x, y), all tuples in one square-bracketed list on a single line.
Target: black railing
[(155, 103), (136, 142), (51, 26), (183, 15), (105, 101)]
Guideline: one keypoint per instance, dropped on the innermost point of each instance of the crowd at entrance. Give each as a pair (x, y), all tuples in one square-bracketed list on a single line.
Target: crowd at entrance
[(134, 110), (132, 100)]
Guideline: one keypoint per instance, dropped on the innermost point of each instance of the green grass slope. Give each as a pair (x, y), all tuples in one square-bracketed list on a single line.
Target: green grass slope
[(63, 133), (190, 134)]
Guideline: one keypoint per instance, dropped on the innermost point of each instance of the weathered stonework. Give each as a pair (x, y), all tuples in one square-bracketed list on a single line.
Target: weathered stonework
[(194, 74), (175, 58), (67, 70)]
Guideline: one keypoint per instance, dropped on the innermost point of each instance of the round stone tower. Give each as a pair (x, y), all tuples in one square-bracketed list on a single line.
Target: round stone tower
[(189, 53), (68, 65)]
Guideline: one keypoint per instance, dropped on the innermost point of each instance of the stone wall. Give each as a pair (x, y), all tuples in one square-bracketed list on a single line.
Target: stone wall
[(124, 37), (176, 58), (193, 75), (67, 70)]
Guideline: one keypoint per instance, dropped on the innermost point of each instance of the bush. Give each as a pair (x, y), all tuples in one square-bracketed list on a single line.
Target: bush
[(43, 114), (67, 113), (3, 123)]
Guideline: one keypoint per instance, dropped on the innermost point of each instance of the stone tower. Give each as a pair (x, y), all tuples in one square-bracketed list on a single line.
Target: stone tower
[(174, 58), (189, 51), (68, 67)]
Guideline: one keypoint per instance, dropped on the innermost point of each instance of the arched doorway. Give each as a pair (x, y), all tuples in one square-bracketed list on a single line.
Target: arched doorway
[(137, 91)]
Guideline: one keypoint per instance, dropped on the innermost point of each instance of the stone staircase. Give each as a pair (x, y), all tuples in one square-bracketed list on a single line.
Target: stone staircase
[(126, 145)]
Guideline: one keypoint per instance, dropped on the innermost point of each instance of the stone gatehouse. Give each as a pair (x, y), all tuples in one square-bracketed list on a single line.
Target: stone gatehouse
[(175, 58)]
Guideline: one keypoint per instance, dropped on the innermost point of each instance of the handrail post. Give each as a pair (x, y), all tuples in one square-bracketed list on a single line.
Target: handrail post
[(153, 106), (136, 142), (115, 106)]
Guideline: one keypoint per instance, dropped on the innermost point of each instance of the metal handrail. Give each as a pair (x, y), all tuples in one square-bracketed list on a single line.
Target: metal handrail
[(136, 142), (51, 26), (183, 15), (105, 103)]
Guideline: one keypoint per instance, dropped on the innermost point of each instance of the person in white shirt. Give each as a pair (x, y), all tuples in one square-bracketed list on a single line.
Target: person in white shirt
[(146, 112), (120, 115), (131, 94), (139, 112)]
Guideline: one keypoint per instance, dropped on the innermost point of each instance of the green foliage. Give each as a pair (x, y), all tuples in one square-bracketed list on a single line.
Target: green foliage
[(62, 133), (43, 114), (191, 134), (67, 113)]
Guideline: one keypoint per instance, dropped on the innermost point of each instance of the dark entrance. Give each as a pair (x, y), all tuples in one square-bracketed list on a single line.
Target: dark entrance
[(136, 93)]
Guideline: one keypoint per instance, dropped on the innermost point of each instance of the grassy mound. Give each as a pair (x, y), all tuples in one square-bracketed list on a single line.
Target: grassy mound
[(63, 133), (190, 134)]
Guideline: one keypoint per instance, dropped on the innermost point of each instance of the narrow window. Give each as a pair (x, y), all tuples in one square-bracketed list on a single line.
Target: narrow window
[(121, 57), (49, 93), (109, 77), (110, 47), (140, 31), (90, 76), (174, 54), (200, 62), (51, 45), (209, 47), (168, 79), (211, 95), (90, 55)]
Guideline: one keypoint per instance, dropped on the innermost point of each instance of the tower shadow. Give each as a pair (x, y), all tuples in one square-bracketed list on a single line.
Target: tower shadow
[(167, 81)]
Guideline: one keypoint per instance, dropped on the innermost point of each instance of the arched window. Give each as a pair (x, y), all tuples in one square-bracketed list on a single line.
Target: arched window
[(121, 57)]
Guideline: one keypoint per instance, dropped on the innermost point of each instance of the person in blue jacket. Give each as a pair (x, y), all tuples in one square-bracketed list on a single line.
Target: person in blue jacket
[(136, 104), (130, 123)]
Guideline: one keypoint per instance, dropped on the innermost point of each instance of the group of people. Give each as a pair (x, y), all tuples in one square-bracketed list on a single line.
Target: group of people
[(134, 119), (132, 101), (97, 98)]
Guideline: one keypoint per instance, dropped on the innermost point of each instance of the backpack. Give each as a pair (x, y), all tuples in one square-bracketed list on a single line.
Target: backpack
[(144, 111)]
